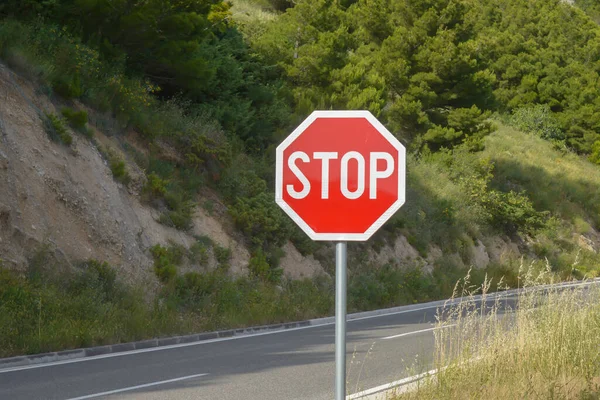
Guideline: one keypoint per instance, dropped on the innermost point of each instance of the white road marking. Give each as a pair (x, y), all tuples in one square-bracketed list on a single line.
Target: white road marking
[(127, 389), (406, 382), (421, 331), (437, 304), (391, 385)]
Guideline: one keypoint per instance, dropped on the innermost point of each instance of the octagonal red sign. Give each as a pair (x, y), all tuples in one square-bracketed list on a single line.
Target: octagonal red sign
[(340, 175)]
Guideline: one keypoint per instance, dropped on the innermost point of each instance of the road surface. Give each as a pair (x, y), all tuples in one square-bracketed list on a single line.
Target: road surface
[(291, 364)]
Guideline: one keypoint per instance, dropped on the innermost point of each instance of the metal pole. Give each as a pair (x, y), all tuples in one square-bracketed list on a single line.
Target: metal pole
[(340, 321)]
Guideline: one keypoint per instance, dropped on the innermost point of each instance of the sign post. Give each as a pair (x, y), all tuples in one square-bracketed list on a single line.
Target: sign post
[(340, 320), (340, 176)]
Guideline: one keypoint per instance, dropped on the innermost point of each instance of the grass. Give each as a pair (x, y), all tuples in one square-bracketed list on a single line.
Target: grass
[(50, 307), (546, 349), (563, 182)]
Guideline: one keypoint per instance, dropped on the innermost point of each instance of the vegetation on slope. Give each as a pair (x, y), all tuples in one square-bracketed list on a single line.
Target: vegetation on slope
[(441, 74), (433, 71)]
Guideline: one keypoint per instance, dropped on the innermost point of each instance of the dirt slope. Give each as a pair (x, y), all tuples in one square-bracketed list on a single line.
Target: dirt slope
[(65, 197)]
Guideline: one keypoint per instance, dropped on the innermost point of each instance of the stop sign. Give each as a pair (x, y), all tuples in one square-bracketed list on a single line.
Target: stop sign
[(340, 175)]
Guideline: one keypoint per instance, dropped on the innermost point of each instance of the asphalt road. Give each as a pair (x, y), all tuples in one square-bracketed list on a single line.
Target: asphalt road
[(292, 364)]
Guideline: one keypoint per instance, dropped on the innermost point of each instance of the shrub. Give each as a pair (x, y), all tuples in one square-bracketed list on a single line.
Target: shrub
[(209, 206), (117, 167), (261, 220), (77, 119), (194, 290), (240, 180), (56, 129), (97, 276), (180, 210), (116, 164), (199, 253), (223, 255), (68, 86), (539, 120), (58, 308), (513, 212), (165, 261), (155, 187), (260, 268)]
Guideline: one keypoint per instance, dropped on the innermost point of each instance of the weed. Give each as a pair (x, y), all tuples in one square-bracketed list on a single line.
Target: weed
[(66, 309)]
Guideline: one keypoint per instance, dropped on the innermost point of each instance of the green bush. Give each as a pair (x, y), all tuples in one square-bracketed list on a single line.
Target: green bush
[(261, 220), (194, 290), (118, 169), (116, 164), (77, 119), (240, 180), (56, 129), (223, 255), (69, 87), (260, 267), (389, 285), (199, 253), (513, 212), (155, 186), (166, 260), (539, 120), (180, 207)]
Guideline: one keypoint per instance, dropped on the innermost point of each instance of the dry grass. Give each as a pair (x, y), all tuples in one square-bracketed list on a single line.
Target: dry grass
[(547, 347)]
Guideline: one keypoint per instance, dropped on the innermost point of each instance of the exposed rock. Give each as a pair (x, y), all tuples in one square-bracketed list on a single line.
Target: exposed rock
[(401, 252), (585, 243), (434, 253), (207, 225), (501, 251), (479, 255), (67, 198), (296, 266)]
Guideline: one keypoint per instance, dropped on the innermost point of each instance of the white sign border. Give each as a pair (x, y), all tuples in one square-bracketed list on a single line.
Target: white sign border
[(383, 218)]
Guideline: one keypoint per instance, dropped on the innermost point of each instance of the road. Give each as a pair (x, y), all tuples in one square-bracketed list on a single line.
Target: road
[(292, 364)]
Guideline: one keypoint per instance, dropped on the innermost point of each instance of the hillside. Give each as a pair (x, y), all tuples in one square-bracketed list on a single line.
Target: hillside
[(132, 179)]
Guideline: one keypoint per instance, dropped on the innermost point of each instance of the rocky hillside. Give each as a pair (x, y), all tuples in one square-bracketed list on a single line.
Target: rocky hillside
[(65, 197)]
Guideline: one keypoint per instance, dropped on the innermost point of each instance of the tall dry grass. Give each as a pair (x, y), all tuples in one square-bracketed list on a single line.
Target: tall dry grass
[(543, 343)]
